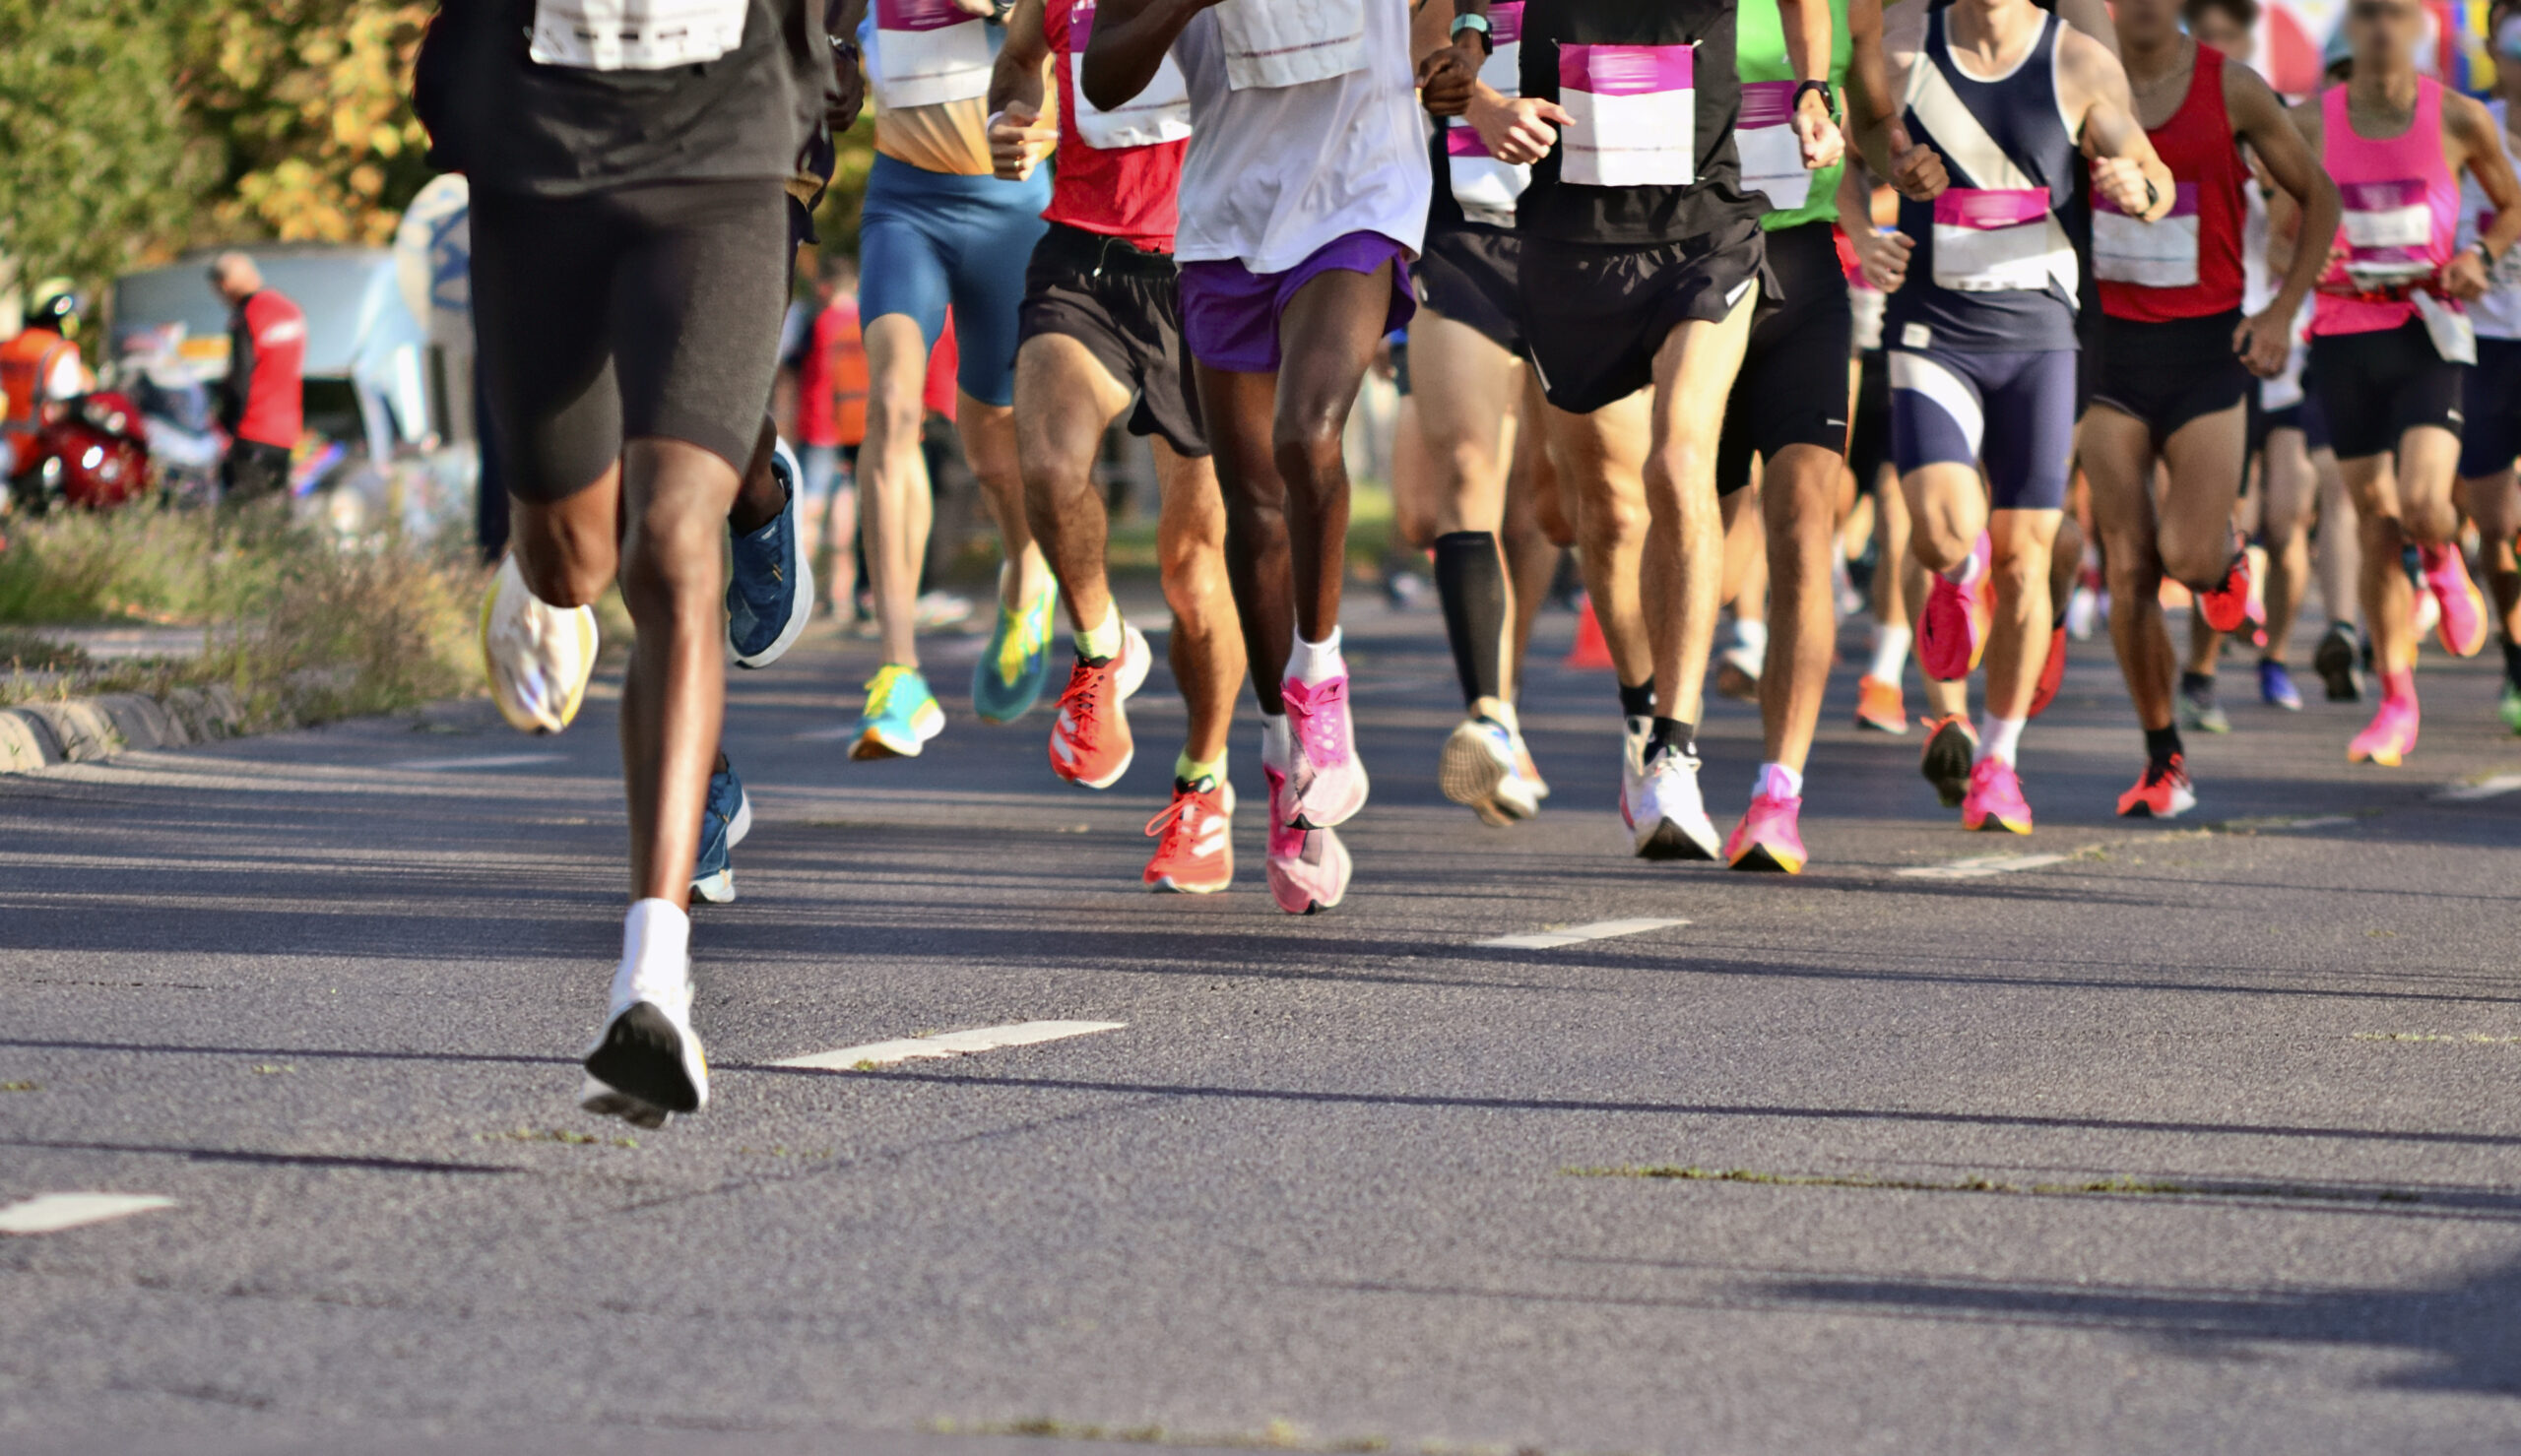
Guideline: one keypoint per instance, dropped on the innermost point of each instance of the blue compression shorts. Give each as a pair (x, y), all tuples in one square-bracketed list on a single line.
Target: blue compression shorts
[(926, 239), (2013, 413)]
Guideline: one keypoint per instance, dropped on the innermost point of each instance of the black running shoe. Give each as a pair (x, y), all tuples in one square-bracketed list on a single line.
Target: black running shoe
[(2335, 660)]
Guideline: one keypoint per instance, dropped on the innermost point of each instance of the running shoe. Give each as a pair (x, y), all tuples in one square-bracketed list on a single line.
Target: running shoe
[(539, 656), (1635, 734), (2276, 687), (2227, 607), (1090, 742), (2336, 661), (900, 716), (1478, 770), (1737, 672), (1015, 665), (647, 1062), (2464, 620), (1194, 840), (1768, 838), (1995, 800), (770, 585), (2509, 708), (1327, 785), (2052, 673), (1526, 770), (1308, 868), (1880, 707), (1952, 745), (2391, 737), (725, 817), (2162, 793), (1953, 633), (1667, 815), (2199, 711)]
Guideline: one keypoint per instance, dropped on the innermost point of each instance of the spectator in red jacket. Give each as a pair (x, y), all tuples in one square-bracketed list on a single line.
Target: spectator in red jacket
[(262, 406)]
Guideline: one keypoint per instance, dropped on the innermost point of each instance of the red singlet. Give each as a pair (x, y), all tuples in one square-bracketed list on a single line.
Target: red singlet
[(1125, 193), (2188, 265)]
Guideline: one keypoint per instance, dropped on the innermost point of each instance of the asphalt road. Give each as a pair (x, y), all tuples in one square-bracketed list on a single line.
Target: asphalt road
[(2201, 1137)]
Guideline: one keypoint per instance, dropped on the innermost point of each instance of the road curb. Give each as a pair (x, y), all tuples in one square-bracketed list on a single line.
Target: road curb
[(39, 735)]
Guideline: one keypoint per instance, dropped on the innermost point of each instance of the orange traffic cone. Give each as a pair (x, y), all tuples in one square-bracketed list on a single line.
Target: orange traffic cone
[(1591, 650)]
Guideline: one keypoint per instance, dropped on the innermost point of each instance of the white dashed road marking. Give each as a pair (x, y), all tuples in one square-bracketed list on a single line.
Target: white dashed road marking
[(51, 1213), (1982, 866), (2500, 784), (946, 1043), (1572, 934), (486, 761)]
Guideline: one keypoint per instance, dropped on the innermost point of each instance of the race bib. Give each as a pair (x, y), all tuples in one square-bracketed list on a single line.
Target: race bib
[(1271, 44), (1634, 113), (2388, 231), (1988, 241), (634, 34), (1771, 155), (1482, 183), (1159, 113), (2454, 338), (929, 52), (2150, 255)]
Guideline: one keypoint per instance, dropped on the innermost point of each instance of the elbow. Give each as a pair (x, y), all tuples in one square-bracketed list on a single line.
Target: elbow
[(1105, 91)]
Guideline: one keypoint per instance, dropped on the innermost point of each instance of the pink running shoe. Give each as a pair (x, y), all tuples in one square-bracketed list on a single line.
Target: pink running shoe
[(1767, 837), (2463, 623), (1308, 868), (1952, 629), (1995, 800), (2391, 736), (1327, 785)]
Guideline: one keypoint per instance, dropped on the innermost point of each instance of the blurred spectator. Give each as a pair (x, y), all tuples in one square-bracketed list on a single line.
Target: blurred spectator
[(262, 406), (830, 369), (39, 368)]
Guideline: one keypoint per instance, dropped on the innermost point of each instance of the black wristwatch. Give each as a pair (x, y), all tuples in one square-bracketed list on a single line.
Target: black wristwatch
[(2153, 195), (999, 13), (1829, 99)]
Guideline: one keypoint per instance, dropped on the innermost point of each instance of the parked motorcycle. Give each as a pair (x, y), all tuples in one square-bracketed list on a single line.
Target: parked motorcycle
[(91, 452)]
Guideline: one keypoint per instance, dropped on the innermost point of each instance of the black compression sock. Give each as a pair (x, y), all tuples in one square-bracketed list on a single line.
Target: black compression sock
[(1637, 701), (2161, 745), (2193, 683), (1470, 583), (2512, 662), (1671, 736)]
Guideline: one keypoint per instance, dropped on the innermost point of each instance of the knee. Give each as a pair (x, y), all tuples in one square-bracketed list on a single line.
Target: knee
[(1194, 571), (1610, 520), (1307, 451), (2198, 566), (672, 556), (569, 580), (2014, 573)]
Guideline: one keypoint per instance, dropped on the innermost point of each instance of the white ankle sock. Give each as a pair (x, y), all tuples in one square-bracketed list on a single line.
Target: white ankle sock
[(1312, 662), (1102, 641), (655, 952), (1277, 742), (1890, 653), (1777, 781), (1751, 633), (1967, 572), (2000, 739)]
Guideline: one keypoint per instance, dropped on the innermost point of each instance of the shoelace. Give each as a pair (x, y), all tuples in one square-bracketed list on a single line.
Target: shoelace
[(880, 692), (1318, 718), (1178, 818), (1082, 703)]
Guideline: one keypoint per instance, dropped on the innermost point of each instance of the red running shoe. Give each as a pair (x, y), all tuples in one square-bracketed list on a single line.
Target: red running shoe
[(1954, 632), (1090, 742), (1195, 854), (2227, 607), (2164, 792), (2052, 673)]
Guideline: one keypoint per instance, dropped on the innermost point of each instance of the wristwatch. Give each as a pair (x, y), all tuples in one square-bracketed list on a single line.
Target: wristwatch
[(1478, 25), (1829, 99), (1000, 10)]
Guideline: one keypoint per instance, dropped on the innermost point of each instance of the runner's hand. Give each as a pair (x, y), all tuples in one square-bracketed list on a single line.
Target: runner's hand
[(1822, 142), (1446, 80), (2464, 277), (848, 95), (1916, 172), (1519, 132), (2122, 181), (1017, 142), (2265, 341), (1884, 257)]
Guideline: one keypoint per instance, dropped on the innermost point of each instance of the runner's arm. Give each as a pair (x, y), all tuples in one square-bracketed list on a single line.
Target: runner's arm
[(2468, 275), (1449, 74), (849, 69), (1883, 256), (2092, 18), (1873, 110), (2266, 341), (2124, 166), (1016, 141), (1131, 37), (1806, 23)]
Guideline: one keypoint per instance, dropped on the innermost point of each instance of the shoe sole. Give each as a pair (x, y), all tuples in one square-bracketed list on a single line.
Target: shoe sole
[(876, 744), (1951, 780), (1898, 728), (1667, 840), (2335, 663), (1995, 823), (795, 627), (1470, 776), (567, 713), (1760, 859), (2386, 758), (1165, 884), (641, 1058)]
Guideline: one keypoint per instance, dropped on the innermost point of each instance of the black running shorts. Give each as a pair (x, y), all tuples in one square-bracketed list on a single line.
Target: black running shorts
[(2166, 374), (1595, 314), (1124, 306), (1869, 433), (649, 311), (1798, 350), (2493, 406), (1467, 274), (2376, 387)]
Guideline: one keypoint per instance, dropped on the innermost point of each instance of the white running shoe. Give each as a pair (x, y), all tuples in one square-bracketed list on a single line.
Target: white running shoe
[(539, 656), (1667, 815), (647, 1062), (1478, 771), (1633, 734)]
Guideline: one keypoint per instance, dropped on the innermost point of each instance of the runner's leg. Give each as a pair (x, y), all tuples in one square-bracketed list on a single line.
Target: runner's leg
[(1328, 332)]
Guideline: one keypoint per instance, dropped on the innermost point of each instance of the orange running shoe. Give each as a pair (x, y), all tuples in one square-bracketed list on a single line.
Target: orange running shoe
[(1880, 708), (2164, 792), (2052, 673), (1090, 742), (2463, 623), (2227, 607), (1194, 840)]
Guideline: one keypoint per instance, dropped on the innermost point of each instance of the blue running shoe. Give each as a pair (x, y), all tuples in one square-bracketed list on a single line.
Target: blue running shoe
[(1016, 665), (770, 585), (900, 716), (725, 817), (2276, 687)]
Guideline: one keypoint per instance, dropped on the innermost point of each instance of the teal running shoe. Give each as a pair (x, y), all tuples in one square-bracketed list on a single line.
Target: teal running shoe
[(901, 715), (1016, 665)]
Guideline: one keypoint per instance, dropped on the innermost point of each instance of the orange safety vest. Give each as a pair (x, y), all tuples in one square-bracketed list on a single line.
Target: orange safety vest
[(27, 363)]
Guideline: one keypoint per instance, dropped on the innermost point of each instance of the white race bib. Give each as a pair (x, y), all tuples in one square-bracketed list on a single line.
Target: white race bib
[(1772, 155), (929, 52), (1989, 241), (2454, 338), (2151, 255), (1159, 113), (1481, 183), (634, 34), (2388, 230), (1271, 44), (1635, 115)]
